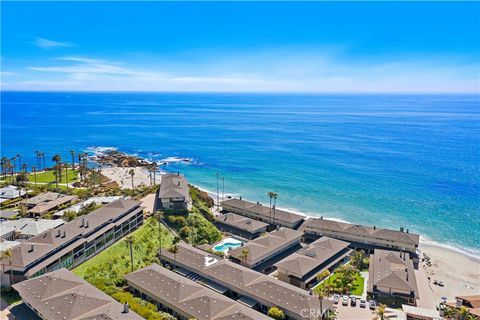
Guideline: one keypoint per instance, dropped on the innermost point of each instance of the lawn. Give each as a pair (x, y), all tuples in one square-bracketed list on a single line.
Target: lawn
[(357, 284), (49, 177), (11, 296), (106, 270)]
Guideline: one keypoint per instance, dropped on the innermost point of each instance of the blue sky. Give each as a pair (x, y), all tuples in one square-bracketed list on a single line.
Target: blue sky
[(241, 46)]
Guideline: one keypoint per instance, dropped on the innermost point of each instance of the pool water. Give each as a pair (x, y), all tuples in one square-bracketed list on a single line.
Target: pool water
[(227, 244)]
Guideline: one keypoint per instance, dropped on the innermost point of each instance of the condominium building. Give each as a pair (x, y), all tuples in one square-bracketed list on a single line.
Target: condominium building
[(361, 236), (174, 193), (254, 288), (392, 273), (26, 228), (241, 226), (186, 299), (302, 267), (74, 242), (257, 254), (61, 294), (263, 213)]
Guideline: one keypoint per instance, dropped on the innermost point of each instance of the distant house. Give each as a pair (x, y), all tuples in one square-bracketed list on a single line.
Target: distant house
[(72, 243), (242, 226), (302, 267), (63, 295), (26, 228), (11, 192), (173, 193), (362, 236), (472, 302), (47, 201), (257, 211), (266, 250), (392, 273)]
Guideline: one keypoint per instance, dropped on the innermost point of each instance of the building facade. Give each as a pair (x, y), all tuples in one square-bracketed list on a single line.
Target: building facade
[(174, 193), (72, 243)]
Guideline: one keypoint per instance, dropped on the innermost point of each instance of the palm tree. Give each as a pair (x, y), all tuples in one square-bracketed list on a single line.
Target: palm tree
[(34, 169), (19, 157), (132, 173), (72, 152), (66, 174), (5, 166), (130, 243), (14, 160), (464, 313), (24, 167), (322, 275), (380, 312), (43, 157), (154, 173), (275, 195), (270, 195), (319, 291), (37, 154), (57, 158), (159, 216), (450, 313), (7, 254), (174, 249), (244, 255)]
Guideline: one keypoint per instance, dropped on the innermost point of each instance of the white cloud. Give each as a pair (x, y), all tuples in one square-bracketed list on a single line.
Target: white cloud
[(256, 73), (50, 44)]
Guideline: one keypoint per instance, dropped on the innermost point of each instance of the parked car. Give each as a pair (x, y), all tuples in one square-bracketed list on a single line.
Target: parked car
[(353, 301), (372, 304), (336, 298), (363, 303), (345, 301)]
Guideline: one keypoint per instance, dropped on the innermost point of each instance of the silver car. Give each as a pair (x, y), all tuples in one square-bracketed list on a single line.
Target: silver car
[(363, 303), (336, 298), (345, 301)]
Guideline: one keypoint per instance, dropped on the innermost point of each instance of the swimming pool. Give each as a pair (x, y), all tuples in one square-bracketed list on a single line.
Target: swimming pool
[(227, 244)]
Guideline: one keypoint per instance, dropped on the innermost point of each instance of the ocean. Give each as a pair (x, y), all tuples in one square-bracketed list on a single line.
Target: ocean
[(392, 161)]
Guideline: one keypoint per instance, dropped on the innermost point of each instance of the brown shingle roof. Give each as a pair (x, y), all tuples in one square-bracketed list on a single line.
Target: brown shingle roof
[(392, 269), (348, 228), (60, 295), (280, 215), (241, 222), (306, 260), (192, 298), (47, 206), (53, 239), (257, 286), (267, 244), (174, 185)]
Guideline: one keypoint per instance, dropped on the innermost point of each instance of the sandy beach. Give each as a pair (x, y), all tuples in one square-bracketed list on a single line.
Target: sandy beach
[(122, 177), (459, 272)]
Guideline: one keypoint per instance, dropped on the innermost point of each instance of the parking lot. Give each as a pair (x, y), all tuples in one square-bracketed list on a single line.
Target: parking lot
[(350, 312)]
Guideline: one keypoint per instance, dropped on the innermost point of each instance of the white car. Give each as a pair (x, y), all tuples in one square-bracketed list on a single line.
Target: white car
[(336, 298), (363, 303), (345, 301), (372, 304)]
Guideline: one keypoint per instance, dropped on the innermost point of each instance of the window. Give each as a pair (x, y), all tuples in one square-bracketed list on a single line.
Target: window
[(90, 251)]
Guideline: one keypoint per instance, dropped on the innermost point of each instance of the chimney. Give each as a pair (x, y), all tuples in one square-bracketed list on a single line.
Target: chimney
[(407, 230), (401, 229), (178, 173), (32, 248), (64, 234), (374, 227), (406, 271), (59, 233), (240, 197), (86, 223), (321, 217), (83, 223), (125, 307)]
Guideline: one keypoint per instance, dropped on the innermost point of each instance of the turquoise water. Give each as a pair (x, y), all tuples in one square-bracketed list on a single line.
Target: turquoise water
[(392, 161), (226, 246)]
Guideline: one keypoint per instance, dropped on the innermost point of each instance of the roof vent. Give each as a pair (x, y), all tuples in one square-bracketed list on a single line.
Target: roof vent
[(407, 230), (59, 233), (248, 221), (32, 248), (86, 223), (374, 227), (83, 223), (64, 234), (240, 197)]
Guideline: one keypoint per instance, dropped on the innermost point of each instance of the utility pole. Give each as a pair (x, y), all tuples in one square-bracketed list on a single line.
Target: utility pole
[(223, 188), (218, 200)]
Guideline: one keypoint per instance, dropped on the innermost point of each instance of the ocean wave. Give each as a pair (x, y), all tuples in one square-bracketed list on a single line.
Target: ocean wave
[(98, 151)]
